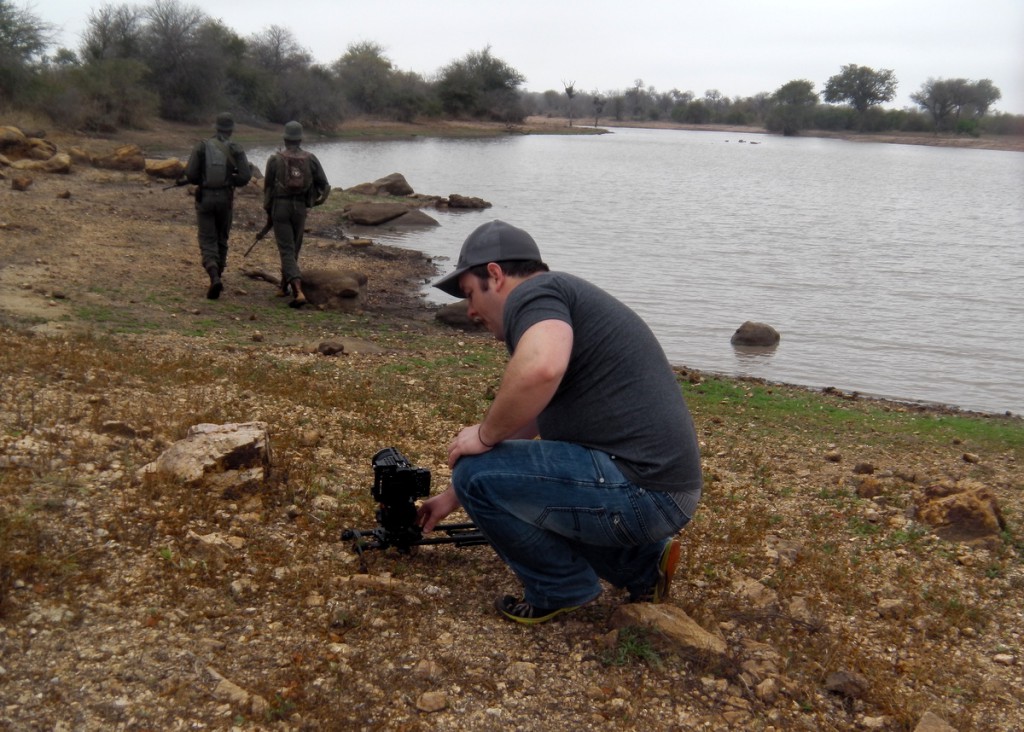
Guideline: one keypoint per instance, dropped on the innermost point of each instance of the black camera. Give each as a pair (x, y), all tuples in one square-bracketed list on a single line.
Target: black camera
[(396, 486)]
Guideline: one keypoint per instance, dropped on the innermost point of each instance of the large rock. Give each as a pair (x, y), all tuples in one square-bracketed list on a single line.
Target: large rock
[(467, 202), (125, 157), (413, 219), (672, 625), (59, 163), (755, 334), (11, 137), (334, 290), (169, 169), (390, 185), (17, 147), (393, 185), (374, 214), (228, 457), (965, 511), (456, 315)]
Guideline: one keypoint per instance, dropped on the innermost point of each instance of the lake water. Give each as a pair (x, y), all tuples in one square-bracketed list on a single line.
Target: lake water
[(891, 270)]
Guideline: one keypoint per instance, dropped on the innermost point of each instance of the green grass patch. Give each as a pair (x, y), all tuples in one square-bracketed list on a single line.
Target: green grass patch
[(774, 410), (633, 646)]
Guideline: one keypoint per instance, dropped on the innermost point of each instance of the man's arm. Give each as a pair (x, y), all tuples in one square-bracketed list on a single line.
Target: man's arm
[(269, 180), (321, 188), (530, 381), (243, 171), (194, 167)]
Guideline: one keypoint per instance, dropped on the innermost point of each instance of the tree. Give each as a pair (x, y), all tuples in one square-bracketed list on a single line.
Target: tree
[(481, 85), (714, 102), (983, 95), (862, 87), (570, 92), (938, 98), (113, 31), (636, 97), (793, 107), (276, 50), (170, 44), (370, 83), (598, 102), (23, 38), (951, 102)]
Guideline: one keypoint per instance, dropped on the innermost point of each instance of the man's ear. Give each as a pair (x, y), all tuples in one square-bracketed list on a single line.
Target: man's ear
[(496, 273)]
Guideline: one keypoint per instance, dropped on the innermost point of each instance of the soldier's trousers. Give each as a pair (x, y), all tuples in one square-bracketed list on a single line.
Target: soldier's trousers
[(213, 215), (289, 215)]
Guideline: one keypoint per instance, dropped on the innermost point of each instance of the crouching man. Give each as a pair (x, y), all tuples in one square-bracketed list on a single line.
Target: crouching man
[(616, 472)]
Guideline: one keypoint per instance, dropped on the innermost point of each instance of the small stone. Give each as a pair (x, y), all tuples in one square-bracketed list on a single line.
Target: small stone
[(427, 669), (847, 683), (432, 701)]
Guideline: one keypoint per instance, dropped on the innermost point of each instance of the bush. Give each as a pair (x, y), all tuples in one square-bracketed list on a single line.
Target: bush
[(968, 127), (1003, 124), (916, 121), (832, 117)]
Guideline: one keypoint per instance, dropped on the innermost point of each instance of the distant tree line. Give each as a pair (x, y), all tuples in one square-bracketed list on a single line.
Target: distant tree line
[(850, 101), (172, 60)]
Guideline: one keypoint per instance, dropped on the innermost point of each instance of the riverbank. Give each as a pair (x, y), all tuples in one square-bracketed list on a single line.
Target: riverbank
[(1011, 143), (162, 137), (124, 604)]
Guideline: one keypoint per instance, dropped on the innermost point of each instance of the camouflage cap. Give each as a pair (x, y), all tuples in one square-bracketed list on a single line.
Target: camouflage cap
[(225, 122), (293, 132)]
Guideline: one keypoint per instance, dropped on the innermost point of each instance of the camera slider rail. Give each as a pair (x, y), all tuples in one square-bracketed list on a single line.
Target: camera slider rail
[(465, 534)]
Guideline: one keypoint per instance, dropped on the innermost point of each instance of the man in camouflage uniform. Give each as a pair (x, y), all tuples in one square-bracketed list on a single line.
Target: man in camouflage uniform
[(294, 182), (216, 167)]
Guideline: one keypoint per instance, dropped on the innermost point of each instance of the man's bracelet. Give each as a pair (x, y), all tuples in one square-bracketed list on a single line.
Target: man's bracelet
[(480, 436)]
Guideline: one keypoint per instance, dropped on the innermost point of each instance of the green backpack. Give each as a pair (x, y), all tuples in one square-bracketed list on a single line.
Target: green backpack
[(219, 164)]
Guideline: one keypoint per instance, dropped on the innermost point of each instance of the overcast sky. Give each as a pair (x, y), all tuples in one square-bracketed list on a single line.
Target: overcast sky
[(739, 47)]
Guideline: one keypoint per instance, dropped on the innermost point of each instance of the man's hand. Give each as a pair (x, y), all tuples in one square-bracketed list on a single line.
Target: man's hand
[(467, 442), (433, 510), (322, 198)]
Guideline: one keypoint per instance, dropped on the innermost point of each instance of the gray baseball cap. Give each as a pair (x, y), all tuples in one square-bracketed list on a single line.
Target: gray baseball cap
[(495, 241)]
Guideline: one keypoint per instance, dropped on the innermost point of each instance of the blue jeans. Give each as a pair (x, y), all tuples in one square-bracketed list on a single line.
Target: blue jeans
[(563, 517)]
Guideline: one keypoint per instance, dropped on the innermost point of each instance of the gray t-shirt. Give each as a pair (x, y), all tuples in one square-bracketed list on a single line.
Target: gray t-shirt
[(619, 394)]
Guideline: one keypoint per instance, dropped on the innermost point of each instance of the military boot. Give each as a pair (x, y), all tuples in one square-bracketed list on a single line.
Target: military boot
[(216, 286), (300, 296)]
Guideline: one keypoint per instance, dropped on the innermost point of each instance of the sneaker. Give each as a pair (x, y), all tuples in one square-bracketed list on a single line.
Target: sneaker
[(520, 611), (667, 565)]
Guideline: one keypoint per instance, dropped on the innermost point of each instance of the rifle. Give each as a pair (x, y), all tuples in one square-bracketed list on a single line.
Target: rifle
[(260, 235), (177, 184)]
